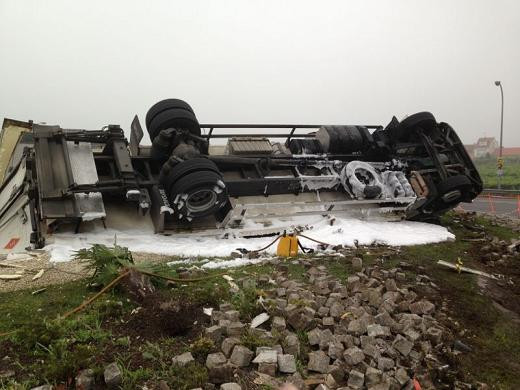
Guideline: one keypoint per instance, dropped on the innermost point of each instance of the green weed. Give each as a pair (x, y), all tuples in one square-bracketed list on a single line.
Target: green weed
[(252, 341), (106, 262), (191, 376), (245, 301), (201, 347)]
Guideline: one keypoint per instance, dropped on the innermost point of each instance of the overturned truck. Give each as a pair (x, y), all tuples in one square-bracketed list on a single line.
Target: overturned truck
[(206, 176)]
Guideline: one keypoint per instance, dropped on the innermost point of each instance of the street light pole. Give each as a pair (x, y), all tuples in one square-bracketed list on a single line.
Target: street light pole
[(499, 170)]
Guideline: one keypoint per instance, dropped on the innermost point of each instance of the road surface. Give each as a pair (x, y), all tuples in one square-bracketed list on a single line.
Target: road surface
[(495, 205)]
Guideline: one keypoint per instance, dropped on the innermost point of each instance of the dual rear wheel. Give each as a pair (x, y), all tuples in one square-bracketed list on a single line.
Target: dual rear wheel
[(195, 188), (171, 113)]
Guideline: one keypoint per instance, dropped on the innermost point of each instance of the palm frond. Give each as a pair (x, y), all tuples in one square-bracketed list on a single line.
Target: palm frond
[(106, 262)]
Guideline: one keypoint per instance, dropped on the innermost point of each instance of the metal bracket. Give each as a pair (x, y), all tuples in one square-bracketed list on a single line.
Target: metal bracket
[(136, 135)]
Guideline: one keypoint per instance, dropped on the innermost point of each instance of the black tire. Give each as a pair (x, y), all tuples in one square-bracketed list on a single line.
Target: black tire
[(368, 140), (459, 183), (174, 118), (356, 138), (198, 194), (344, 139), (170, 175), (424, 120), (427, 218), (305, 146), (164, 105), (402, 131), (337, 139)]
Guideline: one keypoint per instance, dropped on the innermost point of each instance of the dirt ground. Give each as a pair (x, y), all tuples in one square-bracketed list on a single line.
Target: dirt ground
[(54, 273)]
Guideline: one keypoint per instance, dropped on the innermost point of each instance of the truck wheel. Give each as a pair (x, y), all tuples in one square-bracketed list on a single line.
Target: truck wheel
[(171, 172), (424, 119), (164, 105), (350, 137), (198, 194), (340, 139), (305, 146), (455, 189), (368, 140), (174, 118)]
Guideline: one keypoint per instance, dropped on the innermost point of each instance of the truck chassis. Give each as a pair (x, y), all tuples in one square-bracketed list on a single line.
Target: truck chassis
[(415, 169)]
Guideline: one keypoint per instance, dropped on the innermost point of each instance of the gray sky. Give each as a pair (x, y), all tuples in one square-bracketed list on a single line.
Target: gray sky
[(86, 64)]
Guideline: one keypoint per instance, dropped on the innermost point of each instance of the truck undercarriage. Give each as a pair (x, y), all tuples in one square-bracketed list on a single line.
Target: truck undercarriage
[(52, 177)]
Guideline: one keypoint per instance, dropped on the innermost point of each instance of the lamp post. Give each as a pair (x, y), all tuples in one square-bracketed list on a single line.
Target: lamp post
[(500, 162)]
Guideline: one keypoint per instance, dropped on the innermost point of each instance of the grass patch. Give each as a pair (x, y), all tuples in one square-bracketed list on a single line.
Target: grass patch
[(492, 228), (340, 267), (54, 350), (190, 376), (295, 271), (252, 340), (245, 302), (495, 338), (201, 347), (487, 168), (131, 378), (21, 307)]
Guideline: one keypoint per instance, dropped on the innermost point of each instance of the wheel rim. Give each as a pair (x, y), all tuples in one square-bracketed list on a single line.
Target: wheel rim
[(451, 196), (365, 176), (201, 200)]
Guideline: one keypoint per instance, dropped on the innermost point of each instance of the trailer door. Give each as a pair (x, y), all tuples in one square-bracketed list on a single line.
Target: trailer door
[(15, 219)]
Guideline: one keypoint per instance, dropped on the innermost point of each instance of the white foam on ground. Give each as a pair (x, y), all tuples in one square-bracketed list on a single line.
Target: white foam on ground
[(345, 231), (233, 263)]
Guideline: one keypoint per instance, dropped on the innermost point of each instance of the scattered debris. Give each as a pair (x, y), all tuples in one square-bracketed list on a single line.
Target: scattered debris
[(39, 291), (460, 346), (460, 268), (85, 380), (138, 284), (10, 277), (11, 265), (18, 256), (259, 320), (514, 246), (233, 287), (183, 359), (39, 274), (43, 387), (113, 376)]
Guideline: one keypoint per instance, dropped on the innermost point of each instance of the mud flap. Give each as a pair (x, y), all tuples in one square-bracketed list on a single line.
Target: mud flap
[(160, 208)]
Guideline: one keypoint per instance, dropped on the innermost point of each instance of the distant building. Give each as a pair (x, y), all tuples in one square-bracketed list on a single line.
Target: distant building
[(485, 147), (488, 147)]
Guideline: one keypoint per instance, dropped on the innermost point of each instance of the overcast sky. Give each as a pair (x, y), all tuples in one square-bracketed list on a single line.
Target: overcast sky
[(86, 64)]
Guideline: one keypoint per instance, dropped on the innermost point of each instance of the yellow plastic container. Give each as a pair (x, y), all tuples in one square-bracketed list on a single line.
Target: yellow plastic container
[(288, 246)]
